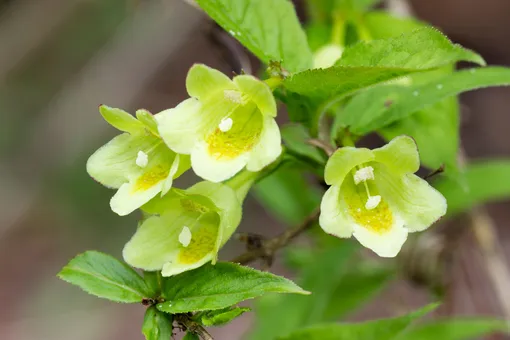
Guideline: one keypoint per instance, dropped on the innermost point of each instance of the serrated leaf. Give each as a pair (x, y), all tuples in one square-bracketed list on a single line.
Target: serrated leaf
[(383, 105), (382, 24), (368, 63), (222, 316), (218, 286), (270, 29), (384, 329), (157, 325), (455, 329), (486, 181), (106, 277), (281, 193), (154, 281), (295, 137)]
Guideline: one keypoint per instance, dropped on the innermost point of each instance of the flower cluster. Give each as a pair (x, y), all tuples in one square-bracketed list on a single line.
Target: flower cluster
[(226, 132)]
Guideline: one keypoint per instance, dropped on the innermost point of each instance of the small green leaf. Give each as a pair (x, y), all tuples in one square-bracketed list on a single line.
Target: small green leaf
[(455, 329), (383, 105), (221, 317), (157, 325), (154, 281), (106, 277), (384, 329), (295, 137), (368, 63), (120, 119), (268, 28), (381, 24), (281, 194), (191, 336), (219, 286), (147, 119), (487, 181)]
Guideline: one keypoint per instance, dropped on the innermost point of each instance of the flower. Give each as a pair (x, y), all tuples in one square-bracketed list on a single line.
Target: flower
[(137, 162), (376, 197), (225, 126), (188, 226), (327, 55)]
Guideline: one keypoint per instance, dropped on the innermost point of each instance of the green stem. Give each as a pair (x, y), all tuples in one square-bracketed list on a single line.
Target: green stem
[(338, 31), (347, 139)]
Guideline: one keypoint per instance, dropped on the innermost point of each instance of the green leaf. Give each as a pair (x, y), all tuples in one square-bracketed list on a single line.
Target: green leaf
[(191, 336), (487, 181), (281, 194), (106, 277), (154, 281), (157, 325), (384, 329), (356, 287), (383, 105), (383, 25), (456, 329), (295, 137), (368, 63), (220, 317), (436, 132), (219, 286), (270, 29), (279, 315)]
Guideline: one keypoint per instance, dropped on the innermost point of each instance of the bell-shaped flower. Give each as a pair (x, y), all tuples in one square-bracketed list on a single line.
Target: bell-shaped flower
[(187, 227), (225, 126), (327, 55), (137, 162), (376, 197)]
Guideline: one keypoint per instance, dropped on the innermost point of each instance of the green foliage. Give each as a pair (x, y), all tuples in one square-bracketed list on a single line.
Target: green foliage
[(384, 329), (106, 277), (281, 193), (219, 317), (268, 28), (295, 137), (383, 105), (219, 286), (191, 336), (369, 63), (157, 325), (279, 315), (456, 329), (382, 25), (486, 181)]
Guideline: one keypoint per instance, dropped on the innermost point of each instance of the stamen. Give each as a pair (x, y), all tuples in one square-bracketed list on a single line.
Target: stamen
[(185, 237), (142, 159), (364, 174), (225, 124), (234, 96), (372, 202)]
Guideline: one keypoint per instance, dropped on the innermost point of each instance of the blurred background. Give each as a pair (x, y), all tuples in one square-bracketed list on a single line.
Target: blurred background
[(60, 59)]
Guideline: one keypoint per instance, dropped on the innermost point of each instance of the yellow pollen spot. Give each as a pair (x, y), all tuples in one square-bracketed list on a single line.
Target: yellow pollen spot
[(192, 205), (378, 219), (201, 244), (241, 137), (151, 177)]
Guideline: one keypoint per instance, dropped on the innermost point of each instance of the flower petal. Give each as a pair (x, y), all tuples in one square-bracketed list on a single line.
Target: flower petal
[(333, 218), (148, 120), (181, 126), (115, 163), (229, 207), (268, 148), (259, 93), (343, 161), (386, 244), (204, 82), (120, 119), (156, 241), (411, 197), (212, 169), (400, 155), (148, 184)]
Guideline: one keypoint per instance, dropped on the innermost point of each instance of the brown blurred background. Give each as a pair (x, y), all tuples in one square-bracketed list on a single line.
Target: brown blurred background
[(60, 59)]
